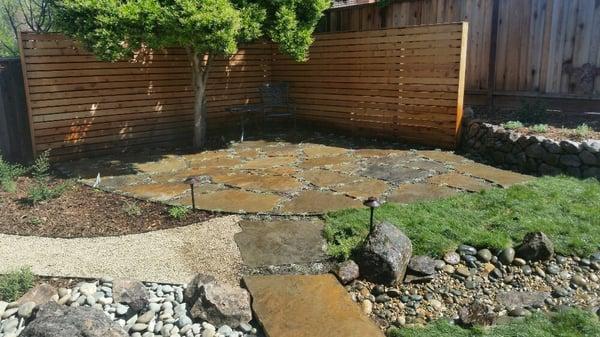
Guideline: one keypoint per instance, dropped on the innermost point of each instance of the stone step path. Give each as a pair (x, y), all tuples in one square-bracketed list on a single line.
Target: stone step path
[(307, 306)]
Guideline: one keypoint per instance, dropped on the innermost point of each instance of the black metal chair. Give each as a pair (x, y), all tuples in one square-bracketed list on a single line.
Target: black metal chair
[(276, 104)]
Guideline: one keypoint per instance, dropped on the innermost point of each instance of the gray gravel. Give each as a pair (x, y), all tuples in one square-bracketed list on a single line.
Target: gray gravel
[(167, 256)]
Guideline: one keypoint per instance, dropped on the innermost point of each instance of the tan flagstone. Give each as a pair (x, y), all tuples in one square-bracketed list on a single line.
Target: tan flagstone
[(324, 162), (307, 306), (161, 192), (363, 189), (503, 178), (428, 165), (265, 163), (267, 183), (218, 162), (374, 153), (287, 150), (168, 164), (279, 170), (326, 178), (443, 156), (235, 201), (315, 151), (408, 193), (461, 181), (205, 155), (318, 202)]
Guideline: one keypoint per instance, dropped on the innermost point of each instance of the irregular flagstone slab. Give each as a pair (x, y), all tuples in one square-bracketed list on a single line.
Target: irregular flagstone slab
[(307, 306), (279, 171), (461, 181), (346, 168), (374, 153), (501, 177), (206, 155), (112, 183), (235, 201), (363, 189), (251, 144), (408, 193), (443, 156), (326, 178), (317, 202), (168, 164), (288, 150), (324, 162), (428, 165), (226, 162), (182, 175), (160, 192), (265, 163), (315, 151), (395, 174), (266, 243), (186, 199), (248, 181), (248, 153)]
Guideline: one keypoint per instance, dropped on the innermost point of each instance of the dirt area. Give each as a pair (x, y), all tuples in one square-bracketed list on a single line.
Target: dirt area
[(561, 125), (82, 211)]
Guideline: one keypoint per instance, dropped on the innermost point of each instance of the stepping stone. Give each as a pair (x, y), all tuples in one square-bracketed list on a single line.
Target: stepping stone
[(326, 178), (324, 162), (282, 151), (395, 174), (235, 201), (501, 177), (317, 202), (427, 165), (224, 162), (259, 182), (307, 306), (409, 193), (182, 175), (265, 163), (375, 153), (463, 182), (363, 189), (160, 192), (167, 164), (265, 243), (443, 156), (315, 151), (206, 155)]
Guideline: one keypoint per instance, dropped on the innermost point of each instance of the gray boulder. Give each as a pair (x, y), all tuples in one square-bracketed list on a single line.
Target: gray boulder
[(55, 320), (132, 293), (516, 299), (219, 304), (477, 314), (422, 265), (536, 246), (347, 271), (385, 255)]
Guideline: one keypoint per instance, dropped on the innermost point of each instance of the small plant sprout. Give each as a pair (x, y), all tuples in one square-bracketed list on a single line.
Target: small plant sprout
[(42, 189), (583, 130), (178, 212), (132, 209), (540, 128), (512, 125)]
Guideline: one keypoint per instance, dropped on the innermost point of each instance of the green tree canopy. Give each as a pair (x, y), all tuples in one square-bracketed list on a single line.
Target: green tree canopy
[(116, 29)]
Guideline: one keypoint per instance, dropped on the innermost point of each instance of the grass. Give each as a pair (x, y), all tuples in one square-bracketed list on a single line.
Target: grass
[(512, 125), (540, 128), (569, 323), (583, 130), (566, 209), (14, 284)]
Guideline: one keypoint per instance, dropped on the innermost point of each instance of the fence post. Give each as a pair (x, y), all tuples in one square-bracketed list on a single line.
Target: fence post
[(492, 57), (27, 99)]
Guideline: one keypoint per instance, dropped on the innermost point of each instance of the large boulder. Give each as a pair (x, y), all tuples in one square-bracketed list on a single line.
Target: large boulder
[(217, 303), (477, 314), (385, 255), (40, 294), (55, 320), (132, 293), (536, 246)]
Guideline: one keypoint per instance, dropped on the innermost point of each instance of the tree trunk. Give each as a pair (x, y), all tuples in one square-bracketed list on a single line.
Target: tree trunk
[(200, 64)]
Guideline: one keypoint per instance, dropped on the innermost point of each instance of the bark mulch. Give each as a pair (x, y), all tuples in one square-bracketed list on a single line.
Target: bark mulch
[(82, 211)]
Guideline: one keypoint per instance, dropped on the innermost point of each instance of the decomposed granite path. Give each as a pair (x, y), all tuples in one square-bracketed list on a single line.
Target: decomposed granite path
[(168, 256)]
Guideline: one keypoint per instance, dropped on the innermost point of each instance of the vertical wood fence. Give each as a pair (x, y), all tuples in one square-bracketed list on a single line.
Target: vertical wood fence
[(516, 47), (404, 83), (15, 140)]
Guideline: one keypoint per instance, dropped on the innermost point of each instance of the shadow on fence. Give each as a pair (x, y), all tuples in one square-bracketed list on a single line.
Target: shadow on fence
[(15, 139)]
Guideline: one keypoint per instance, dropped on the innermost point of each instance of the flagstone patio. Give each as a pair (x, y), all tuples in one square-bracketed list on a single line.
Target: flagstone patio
[(278, 177)]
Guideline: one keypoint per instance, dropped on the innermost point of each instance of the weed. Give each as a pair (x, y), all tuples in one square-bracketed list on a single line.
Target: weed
[(583, 130), (512, 125), (540, 128), (16, 283), (178, 212), (132, 208), (8, 175), (41, 190)]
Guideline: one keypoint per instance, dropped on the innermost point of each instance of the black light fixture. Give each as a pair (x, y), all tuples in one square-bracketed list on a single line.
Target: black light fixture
[(192, 181), (372, 203)]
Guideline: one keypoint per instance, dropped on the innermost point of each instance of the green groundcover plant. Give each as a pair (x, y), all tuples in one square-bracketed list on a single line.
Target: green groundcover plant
[(116, 29), (15, 284)]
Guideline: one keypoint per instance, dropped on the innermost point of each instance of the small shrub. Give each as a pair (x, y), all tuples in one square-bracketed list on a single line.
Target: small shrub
[(132, 209), (178, 212), (532, 112), (512, 125), (41, 190), (583, 130), (540, 128), (14, 284), (8, 175)]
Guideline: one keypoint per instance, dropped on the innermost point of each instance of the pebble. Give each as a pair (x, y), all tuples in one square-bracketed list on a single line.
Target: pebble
[(519, 312), (452, 258), (26, 309), (9, 312), (466, 250), (146, 317), (367, 307), (507, 256), (484, 255), (519, 262), (463, 271), (87, 289)]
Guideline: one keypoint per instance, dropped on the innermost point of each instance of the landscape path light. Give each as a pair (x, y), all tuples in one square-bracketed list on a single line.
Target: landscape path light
[(372, 203)]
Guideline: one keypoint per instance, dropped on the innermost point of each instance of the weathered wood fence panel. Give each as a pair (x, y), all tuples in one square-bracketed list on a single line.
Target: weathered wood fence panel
[(15, 140), (538, 48), (80, 105), (406, 83)]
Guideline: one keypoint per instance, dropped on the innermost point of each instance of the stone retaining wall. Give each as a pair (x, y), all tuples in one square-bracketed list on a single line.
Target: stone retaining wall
[(531, 154)]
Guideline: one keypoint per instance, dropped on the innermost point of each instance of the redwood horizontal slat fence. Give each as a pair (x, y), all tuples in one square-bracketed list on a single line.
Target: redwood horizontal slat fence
[(404, 83)]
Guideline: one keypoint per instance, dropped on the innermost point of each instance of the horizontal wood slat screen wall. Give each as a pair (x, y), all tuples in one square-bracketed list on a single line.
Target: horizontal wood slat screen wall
[(80, 106), (405, 83)]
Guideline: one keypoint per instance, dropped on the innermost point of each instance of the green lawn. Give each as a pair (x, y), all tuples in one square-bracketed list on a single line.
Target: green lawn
[(571, 323), (566, 209)]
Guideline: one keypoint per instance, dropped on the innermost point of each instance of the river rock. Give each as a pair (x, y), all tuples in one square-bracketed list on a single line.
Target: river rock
[(452, 258), (536, 246), (422, 264), (54, 320), (476, 314), (507, 256), (40, 294), (347, 271), (385, 255)]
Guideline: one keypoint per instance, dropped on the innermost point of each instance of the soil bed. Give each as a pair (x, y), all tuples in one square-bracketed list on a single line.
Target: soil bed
[(82, 211)]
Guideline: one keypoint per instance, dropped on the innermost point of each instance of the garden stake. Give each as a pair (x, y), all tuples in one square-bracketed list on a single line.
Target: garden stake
[(372, 203)]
